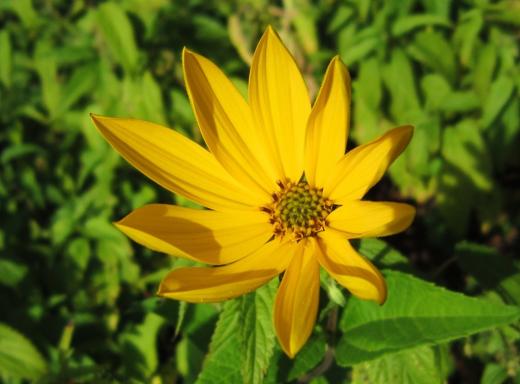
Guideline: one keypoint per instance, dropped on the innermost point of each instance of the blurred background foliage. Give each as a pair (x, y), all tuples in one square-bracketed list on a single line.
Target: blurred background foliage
[(77, 299)]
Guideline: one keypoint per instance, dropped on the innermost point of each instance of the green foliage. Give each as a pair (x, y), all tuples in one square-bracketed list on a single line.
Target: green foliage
[(416, 313), (18, 357), (78, 298)]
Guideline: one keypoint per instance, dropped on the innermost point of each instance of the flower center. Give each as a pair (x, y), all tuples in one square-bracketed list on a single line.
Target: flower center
[(298, 210)]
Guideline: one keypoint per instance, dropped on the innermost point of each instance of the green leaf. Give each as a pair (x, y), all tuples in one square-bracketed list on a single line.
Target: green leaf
[(409, 23), (19, 150), (482, 74), (119, 35), (257, 332), (504, 276), (243, 341), (368, 91), (435, 88), (25, 11), (499, 94), (139, 346), (422, 365), (47, 68), (416, 313), (494, 374), (463, 101), (360, 49), (309, 357), (5, 58), (19, 359), (466, 34), (221, 364), (152, 107), (432, 49), (383, 254), (12, 273), (82, 81), (464, 147), (400, 81)]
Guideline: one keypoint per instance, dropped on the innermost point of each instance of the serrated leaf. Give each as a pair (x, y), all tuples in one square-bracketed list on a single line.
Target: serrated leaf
[(19, 359), (416, 313), (243, 341), (422, 365), (257, 333), (220, 365)]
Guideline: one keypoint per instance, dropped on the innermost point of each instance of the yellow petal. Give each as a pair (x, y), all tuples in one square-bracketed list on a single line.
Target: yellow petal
[(328, 124), (297, 299), (364, 166), (226, 123), (280, 103), (350, 269), (176, 163), (207, 236), (200, 284), (370, 218)]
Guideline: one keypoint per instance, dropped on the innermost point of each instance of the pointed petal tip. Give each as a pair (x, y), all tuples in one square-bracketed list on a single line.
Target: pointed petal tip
[(270, 34), (407, 130), (186, 52), (95, 117)]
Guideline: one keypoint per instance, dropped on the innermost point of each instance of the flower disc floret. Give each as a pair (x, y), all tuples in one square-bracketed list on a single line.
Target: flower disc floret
[(298, 210)]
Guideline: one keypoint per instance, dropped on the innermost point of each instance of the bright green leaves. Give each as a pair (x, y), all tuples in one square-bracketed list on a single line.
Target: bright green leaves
[(421, 365), (119, 36), (416, 314), (6, 59), (19, 359), (244, 340)]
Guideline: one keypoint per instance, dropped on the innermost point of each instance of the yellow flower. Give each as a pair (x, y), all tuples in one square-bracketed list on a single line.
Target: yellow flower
[(283, 196)]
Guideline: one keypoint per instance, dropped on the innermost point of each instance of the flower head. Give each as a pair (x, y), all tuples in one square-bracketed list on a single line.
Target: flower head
[(282, 195)]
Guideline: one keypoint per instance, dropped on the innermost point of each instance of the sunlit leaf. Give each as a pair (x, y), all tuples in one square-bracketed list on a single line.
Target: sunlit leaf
[(416, 313), (19, 359)]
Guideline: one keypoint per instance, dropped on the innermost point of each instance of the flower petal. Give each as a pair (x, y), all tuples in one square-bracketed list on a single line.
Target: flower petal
[(296, 304), (328, 124), (370, 218), (200, 284), (207, 236), (176, 163), (226, 123), (280, 103), (349, 268), (364, 166)]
